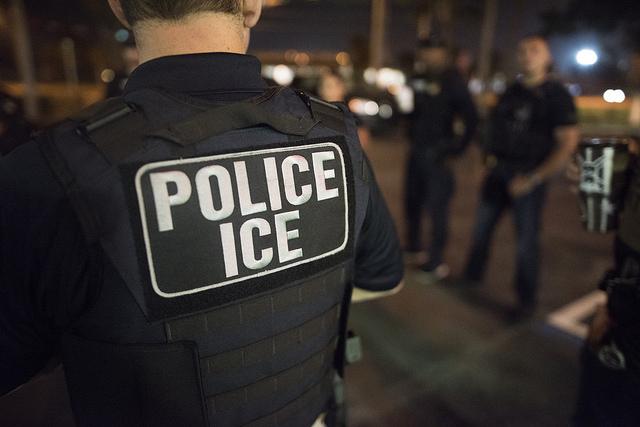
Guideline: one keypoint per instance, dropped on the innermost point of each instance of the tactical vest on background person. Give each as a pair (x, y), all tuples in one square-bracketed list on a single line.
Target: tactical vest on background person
[(225, 235), (431, 121), (513, 137)]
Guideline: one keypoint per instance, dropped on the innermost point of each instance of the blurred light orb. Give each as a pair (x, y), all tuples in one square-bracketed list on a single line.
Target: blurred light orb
[(476, 86), (386, 111), (614, 96), (283, 75), (122, 35), (405, 99), (371, 108), (390, 77), (107, 75), (586, 57), (343, 59), (301, 59), (290, 55), (574, 89), (370, 75)]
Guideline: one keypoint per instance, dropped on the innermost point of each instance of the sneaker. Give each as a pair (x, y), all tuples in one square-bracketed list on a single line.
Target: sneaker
[(428, 275)]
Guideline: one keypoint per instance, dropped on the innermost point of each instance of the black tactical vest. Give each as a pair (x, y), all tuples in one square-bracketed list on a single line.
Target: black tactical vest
[(225, 234)]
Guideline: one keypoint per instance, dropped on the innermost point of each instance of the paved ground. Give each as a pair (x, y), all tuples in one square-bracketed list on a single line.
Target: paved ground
[(434, 357), (437, 357)]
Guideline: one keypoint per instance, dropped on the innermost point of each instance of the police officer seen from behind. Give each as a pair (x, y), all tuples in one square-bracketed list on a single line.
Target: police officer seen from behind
[(533, 136), (610, 380), (440, 96), (189, 249)]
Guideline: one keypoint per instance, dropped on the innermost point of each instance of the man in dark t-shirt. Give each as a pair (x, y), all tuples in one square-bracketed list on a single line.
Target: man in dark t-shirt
[(533, 136)]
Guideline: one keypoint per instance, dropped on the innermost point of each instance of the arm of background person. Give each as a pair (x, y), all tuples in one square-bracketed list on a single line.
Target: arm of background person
[(567, 138), (566, 134), (466, 110)]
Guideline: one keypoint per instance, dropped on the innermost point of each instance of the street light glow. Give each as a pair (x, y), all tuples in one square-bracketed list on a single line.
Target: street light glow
[(614, 96), (586, 57)]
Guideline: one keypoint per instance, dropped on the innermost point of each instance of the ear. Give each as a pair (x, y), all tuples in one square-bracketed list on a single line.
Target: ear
[(251, 11), (116, 8)]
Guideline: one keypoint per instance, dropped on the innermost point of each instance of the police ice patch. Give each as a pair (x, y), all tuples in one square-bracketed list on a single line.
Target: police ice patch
[(229, 220)]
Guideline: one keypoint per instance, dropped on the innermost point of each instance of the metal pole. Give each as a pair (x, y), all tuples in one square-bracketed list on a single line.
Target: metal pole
[(69, 60), (377, 38), (24, 57)]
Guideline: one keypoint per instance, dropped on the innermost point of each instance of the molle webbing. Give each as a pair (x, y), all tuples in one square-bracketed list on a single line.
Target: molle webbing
[(279, 391), (312, 402), (227, 368), (257, 317), (271, 352)]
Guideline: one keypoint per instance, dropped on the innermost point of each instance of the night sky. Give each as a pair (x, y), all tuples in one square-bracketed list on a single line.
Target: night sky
[(331, 25)]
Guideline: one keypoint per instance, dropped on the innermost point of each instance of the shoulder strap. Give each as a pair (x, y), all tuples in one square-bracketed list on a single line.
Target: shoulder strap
[(236, 116), (115, 127), (62, 173), (330, 115)]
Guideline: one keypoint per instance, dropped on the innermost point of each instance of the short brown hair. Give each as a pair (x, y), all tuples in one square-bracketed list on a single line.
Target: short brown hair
[(173, 10)]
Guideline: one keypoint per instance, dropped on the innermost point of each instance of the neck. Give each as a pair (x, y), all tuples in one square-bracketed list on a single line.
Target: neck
[(535, 79), (201, 33)]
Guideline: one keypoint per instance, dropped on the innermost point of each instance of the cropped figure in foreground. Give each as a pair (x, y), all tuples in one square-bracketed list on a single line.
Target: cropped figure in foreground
[(610, 380), (192, 246)]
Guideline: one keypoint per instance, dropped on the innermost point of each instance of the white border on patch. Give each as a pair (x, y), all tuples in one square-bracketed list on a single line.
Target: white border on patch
[(145, 230)]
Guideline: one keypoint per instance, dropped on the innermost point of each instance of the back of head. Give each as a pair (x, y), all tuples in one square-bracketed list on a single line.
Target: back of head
[(174, 27), (175, 10)]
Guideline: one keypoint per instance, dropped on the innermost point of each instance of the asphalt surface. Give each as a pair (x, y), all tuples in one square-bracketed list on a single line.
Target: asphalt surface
[(437, 356), (434, 356)]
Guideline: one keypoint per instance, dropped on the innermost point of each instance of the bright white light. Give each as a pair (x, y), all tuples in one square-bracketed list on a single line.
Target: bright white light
[(386, 112), (283, 75), (370, 75), (371, 108), (404, 99), (364, 107), (476, 86), (614, 96), (389, 77), (586, 57)]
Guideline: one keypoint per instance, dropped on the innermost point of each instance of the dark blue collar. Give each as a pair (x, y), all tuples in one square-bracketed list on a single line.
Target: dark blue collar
[(199, 74)]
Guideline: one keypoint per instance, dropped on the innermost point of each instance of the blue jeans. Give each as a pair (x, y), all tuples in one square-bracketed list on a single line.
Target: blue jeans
[(429, 183), (527, 213)]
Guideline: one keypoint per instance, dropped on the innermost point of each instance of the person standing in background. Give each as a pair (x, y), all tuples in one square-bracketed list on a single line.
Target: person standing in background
[(333, 88), (440, 96), (533, 135)]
